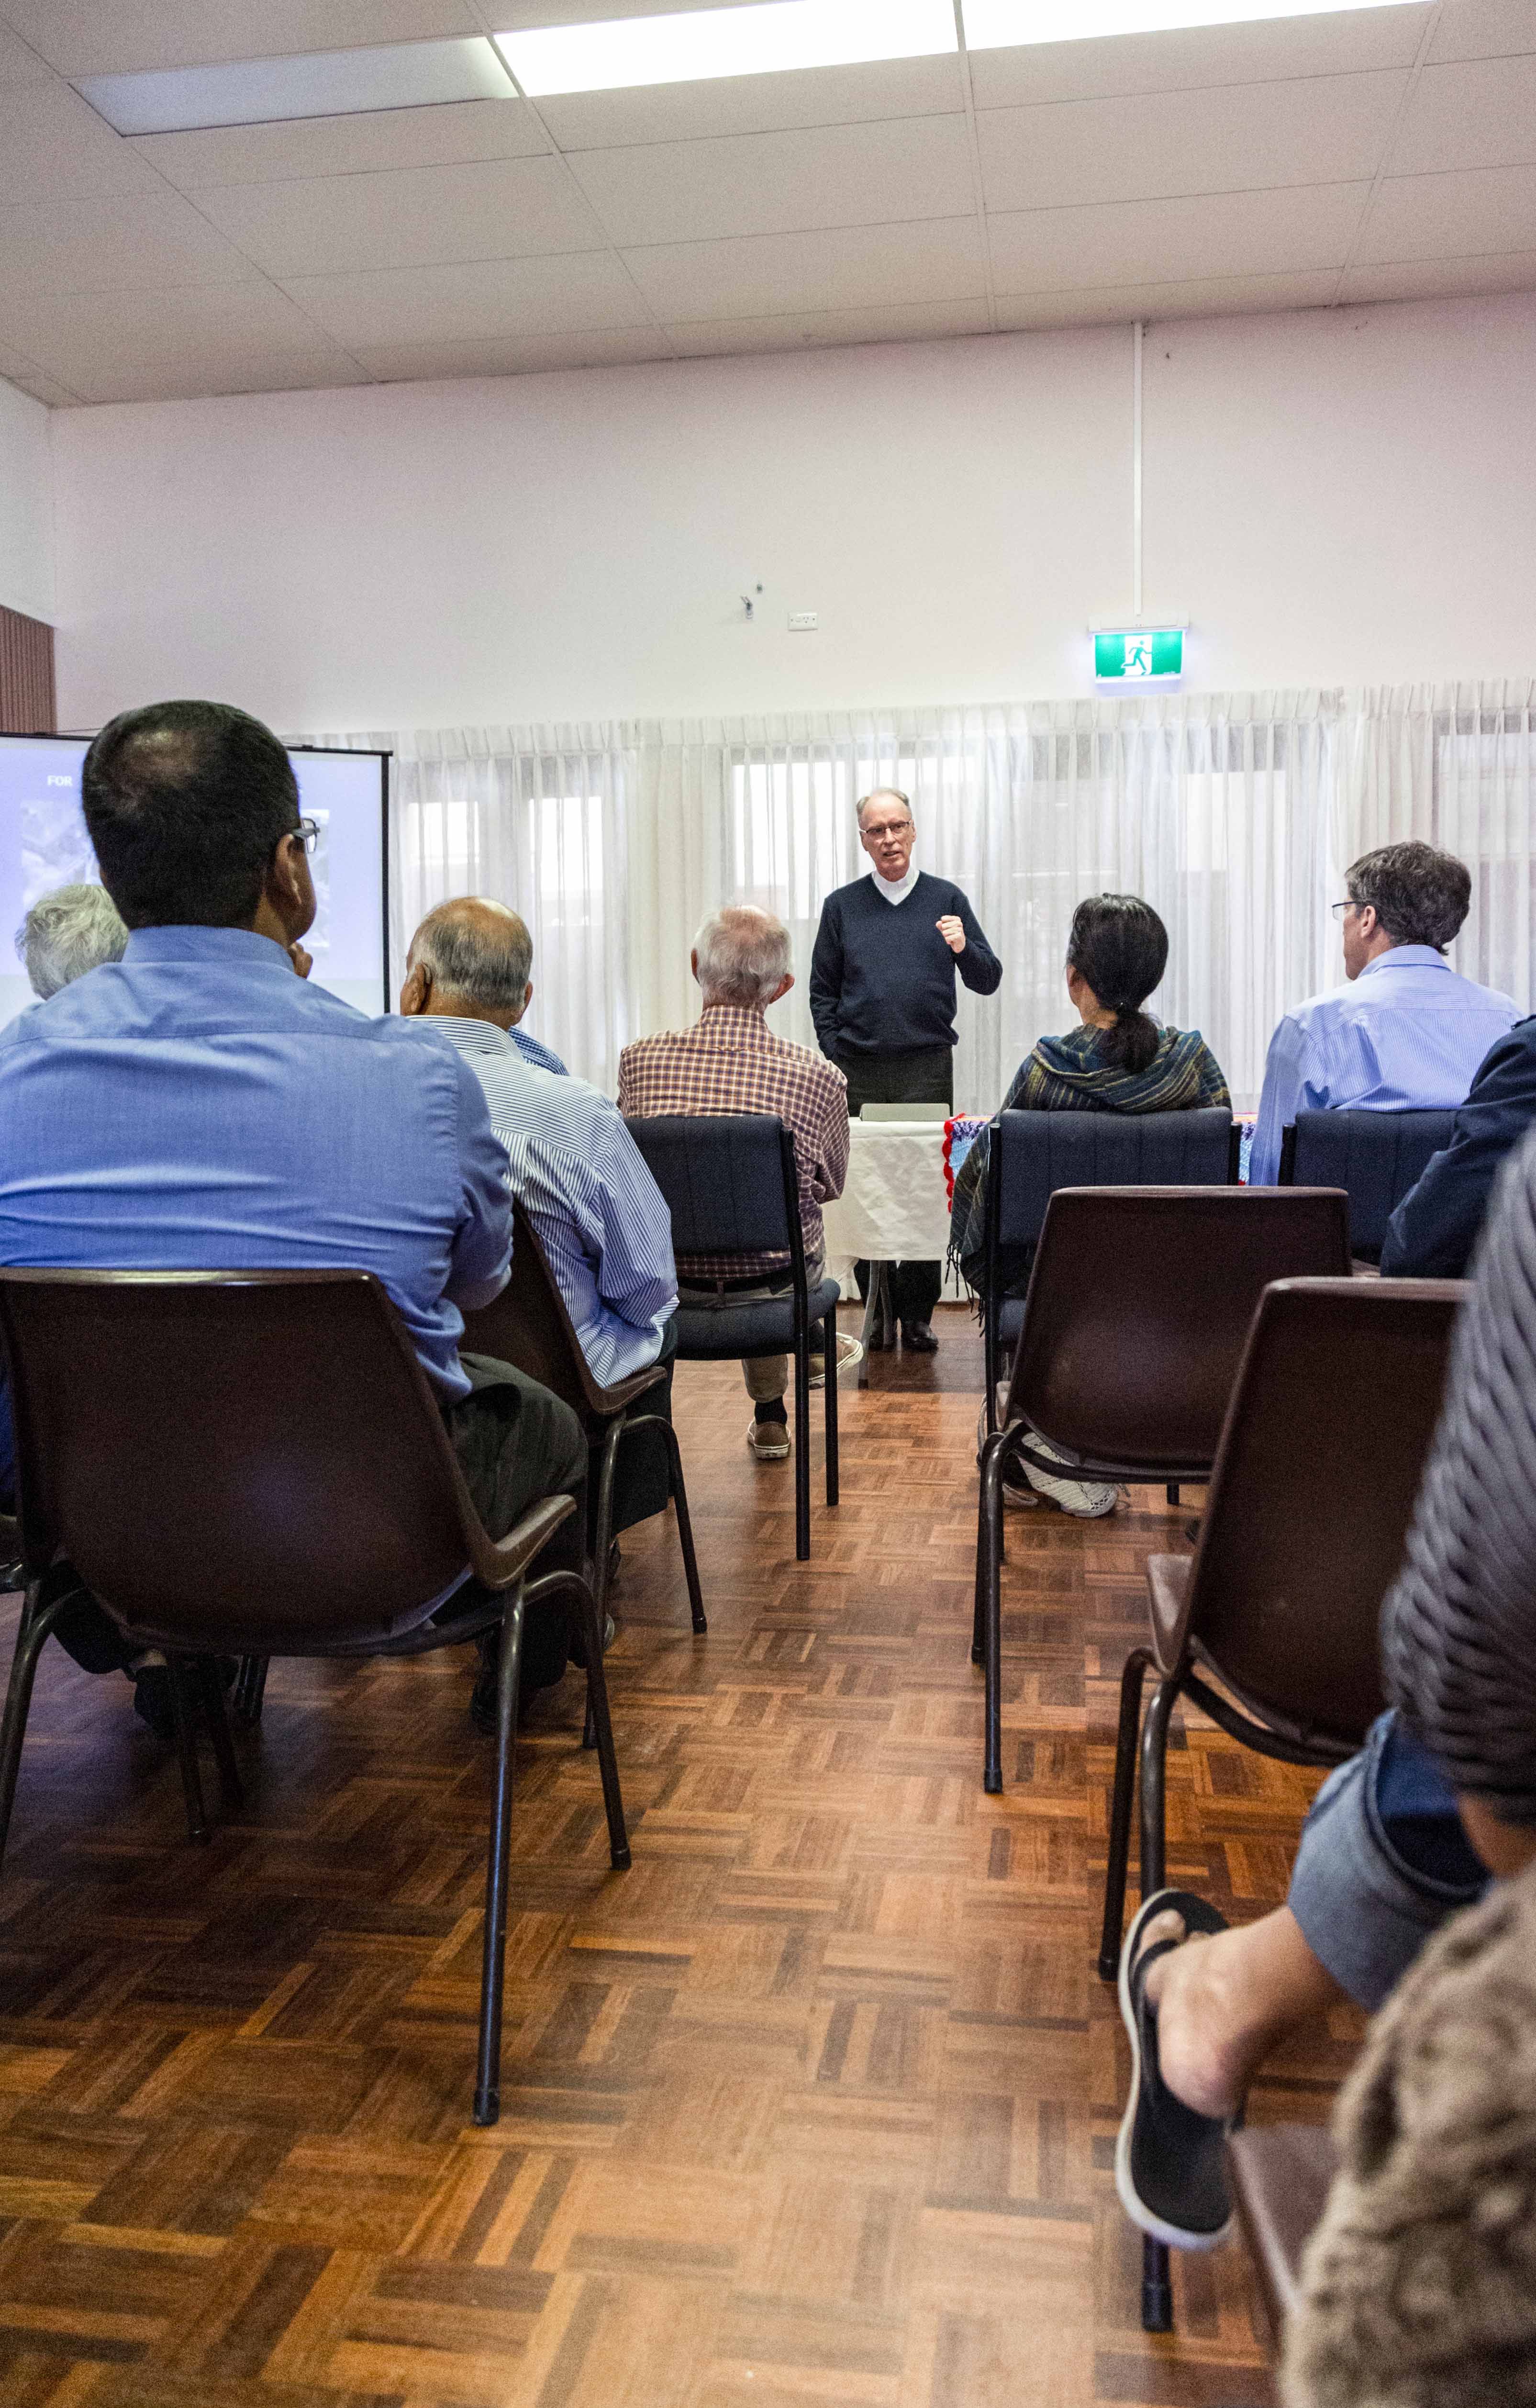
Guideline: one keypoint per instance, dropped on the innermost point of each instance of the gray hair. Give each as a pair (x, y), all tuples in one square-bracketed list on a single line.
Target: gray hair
[(744, 953), (476, 949), (73, 930), (896, 795)]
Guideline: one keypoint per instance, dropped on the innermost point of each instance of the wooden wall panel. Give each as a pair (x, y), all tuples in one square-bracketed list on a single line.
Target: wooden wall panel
[(26, 676)]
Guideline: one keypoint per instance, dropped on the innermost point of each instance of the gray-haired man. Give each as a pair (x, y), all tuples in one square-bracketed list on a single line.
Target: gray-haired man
[(73, 930), (730, 1061)]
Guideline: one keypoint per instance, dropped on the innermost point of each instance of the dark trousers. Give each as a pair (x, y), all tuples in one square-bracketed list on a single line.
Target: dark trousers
[(515, 1444), (923, 1076)]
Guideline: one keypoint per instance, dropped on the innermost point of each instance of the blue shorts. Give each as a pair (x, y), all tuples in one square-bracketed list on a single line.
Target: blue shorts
[(1384, 1862)]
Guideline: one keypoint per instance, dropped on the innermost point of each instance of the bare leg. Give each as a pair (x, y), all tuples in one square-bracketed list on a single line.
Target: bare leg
[(1223, 2002)]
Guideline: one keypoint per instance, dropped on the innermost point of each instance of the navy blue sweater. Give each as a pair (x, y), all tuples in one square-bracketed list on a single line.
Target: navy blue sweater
[(882, 977)]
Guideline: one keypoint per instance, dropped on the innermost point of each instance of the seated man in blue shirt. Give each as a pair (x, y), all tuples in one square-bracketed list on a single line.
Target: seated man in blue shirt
[(199, 1104), (1406, 1032), (600, 1218)]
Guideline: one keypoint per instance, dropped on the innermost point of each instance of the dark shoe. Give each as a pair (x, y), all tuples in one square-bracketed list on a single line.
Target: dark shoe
[(13, 1577), (918, 1339), (881, 1335), (1170, 2163), (578, 1645), (152, 1701)]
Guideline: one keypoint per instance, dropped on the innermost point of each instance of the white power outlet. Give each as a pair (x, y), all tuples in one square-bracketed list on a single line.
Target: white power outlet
[(801, 621)]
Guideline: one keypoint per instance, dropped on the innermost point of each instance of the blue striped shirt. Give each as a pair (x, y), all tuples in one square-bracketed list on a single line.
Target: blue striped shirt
[(539, 1058), (579, 1176), (1407, 1035)]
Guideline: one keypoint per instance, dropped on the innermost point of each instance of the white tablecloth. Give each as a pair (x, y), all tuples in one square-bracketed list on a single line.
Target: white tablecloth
[(893, 1206)]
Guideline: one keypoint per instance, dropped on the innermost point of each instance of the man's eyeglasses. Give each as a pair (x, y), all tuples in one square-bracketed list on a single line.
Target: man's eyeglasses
[(886, 828), (1348, 904), (308, 833)]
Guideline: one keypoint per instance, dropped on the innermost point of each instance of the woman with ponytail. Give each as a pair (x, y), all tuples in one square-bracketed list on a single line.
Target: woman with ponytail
[(1119, 1059)]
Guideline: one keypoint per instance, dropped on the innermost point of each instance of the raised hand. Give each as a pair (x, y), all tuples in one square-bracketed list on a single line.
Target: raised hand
[(952, 929)]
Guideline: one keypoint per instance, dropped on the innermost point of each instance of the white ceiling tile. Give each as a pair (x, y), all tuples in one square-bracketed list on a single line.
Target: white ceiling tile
[(517, 16), (345, 146), (154, 239), (530, 355), (1237, 136), (1348, 43), (99, 343), (495, 209), (480, 300), (1218, 234), (47, 390), (781, 183), (1484, 29), (52, 147), (20, 65), (1457, 215), (758, 275), (911, 322), (84, 38), (1432, 279), (762, 104), (1477, 113), (1203, 298)]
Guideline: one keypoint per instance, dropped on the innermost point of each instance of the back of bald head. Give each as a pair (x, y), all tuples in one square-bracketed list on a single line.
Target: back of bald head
[(478, 953)]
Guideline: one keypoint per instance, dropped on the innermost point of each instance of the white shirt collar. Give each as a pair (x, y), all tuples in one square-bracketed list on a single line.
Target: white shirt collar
[(895, 890)]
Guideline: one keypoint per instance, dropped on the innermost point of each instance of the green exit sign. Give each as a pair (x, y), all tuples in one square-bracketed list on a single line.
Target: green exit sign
[(1135, 655)]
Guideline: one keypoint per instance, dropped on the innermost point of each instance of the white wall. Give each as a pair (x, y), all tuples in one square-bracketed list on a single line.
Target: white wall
[(1333, 498), (26, 505)]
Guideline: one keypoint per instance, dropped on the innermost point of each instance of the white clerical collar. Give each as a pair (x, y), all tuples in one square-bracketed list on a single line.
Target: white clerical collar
[(895, 890)]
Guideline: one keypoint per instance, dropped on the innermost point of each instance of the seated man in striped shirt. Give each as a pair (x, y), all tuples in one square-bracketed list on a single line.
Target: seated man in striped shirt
[(731, 1061)]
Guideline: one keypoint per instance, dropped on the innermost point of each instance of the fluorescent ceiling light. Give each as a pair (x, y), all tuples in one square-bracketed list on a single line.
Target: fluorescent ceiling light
[(697, 43), (1000, 25), (323, 83)]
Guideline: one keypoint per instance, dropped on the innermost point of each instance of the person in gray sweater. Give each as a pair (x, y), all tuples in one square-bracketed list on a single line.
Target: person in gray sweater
[(1442, 1799)]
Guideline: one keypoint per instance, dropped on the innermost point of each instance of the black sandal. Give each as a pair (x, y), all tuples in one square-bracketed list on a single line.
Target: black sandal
[(1170, 2163)]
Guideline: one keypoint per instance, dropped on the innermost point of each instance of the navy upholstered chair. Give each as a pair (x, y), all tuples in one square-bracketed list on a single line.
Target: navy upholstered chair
[(1033, 1154), (1375, 1157), (730, 1182)]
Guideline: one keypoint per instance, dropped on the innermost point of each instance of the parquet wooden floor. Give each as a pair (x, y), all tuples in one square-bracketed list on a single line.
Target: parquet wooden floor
[(815, 2105)]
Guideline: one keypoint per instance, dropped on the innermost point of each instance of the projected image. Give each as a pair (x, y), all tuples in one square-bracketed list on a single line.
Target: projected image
[(44, 845)]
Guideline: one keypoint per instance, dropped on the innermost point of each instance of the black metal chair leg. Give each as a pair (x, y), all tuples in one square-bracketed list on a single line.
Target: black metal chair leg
[(601, 1548), (488, 2072), (802, 1446), (211, 1691), (829, 1359), (183, 1709), (1172, 1492), (37, 1624), (597, 1695), (988, 1538), (680, 1506), (250, 1690), (978, 1607), (1119, 1812), (1157, 2286)]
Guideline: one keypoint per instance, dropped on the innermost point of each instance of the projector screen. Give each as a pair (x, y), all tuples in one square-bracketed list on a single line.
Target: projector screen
[(43, 844)]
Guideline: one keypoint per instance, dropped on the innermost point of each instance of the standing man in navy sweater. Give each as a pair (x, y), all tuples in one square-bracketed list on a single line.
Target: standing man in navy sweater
[(883, 1001)]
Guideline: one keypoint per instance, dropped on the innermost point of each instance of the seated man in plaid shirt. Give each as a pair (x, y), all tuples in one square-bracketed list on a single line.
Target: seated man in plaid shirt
[(730, 1061)]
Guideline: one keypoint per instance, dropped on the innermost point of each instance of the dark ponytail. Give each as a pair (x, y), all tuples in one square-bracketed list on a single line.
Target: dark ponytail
[(1120, 947)]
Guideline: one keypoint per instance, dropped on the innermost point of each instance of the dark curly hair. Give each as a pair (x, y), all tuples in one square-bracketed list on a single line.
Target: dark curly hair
[(1120, 947), (1420, 895)]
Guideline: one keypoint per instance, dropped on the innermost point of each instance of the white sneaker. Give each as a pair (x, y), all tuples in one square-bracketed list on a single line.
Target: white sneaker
[(768, 1440), (849, 1351), (1088, 1499)]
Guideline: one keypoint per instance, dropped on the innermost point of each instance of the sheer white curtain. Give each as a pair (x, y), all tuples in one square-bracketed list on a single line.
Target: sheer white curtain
[(1457, 765), (1234, 815)]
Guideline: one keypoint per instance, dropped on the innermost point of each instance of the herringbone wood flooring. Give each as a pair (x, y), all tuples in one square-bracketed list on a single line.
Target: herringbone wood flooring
[(815, 2105)]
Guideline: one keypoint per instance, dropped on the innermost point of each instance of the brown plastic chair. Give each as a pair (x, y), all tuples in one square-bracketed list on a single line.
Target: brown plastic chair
[(529, 1326), (1138, 1306), (1332, 1416), (253, 1462), (1280, 2175)]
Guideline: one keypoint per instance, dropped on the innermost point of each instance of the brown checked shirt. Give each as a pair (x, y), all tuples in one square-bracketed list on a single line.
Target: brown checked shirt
[(730, 1061)]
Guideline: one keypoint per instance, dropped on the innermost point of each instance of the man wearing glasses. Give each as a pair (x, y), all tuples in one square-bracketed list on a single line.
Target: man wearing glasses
[(1406, 1032), (882, 997), (198, 1106)]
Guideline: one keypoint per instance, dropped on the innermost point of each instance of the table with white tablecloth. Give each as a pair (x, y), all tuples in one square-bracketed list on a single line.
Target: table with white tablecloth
[(894, 1206)]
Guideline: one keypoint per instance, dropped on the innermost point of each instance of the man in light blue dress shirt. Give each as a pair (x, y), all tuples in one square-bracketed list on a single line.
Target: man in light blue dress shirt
[(199, 1104), (1406, 1032)]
